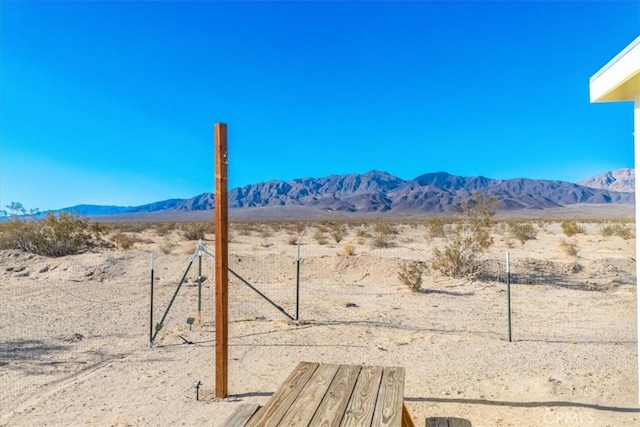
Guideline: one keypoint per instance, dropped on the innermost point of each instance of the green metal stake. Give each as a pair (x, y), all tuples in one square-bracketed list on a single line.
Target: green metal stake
[(151, 304), (297, 320), (199, 285), (509, 293)]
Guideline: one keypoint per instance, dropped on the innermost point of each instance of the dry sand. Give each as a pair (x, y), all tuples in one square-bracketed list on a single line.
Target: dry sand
[(74, 331)]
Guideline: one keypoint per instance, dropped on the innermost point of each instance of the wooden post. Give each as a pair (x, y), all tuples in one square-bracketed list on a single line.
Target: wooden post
[(221, 254)]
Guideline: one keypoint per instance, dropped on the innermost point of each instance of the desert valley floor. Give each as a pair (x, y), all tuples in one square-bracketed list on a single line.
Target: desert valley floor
[(74, 330)]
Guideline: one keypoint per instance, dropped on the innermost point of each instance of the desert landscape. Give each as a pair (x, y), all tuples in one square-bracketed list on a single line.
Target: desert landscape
[(75, 330)]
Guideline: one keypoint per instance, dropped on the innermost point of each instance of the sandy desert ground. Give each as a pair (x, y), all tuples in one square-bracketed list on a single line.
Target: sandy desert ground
[(74, 330)]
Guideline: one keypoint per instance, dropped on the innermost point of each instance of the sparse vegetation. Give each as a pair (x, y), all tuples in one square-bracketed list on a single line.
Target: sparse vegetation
[(194, 231), (522, 231), (435, 228), (53, 235), (123, 241), (571, 228), (470, 239), (620, 230), (338, 233), (410, 275), (167, 247), (569, 247), (320, 237), (348, 250)]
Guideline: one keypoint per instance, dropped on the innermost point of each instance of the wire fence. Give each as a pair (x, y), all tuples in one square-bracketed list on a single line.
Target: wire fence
[(549, 300)]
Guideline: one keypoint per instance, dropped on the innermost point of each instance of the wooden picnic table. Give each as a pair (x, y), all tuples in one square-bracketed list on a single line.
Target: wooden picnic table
[(320, 394)]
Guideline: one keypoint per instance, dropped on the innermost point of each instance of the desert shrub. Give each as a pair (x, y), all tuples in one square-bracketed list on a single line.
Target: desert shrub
[(522, 232), (435, 228), (339, 233), (123, 241), (348, 250), (319, 237), (571, 228), (469, 240), (362, 233), (167, 247), (293, 240), (384, 229), (381, 242), (410, 274), (620, 230), (164, 228), (53, 235), (194, 231), (569, 248), (265, 232)]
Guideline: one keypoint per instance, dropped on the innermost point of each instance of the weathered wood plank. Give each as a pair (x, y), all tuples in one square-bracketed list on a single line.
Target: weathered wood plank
[(334, 404), (241, 415), (447, 422), (437, 422), (363, 399), (388, 410), (459, 422), (407, 419), (304, 408), (273, 411)]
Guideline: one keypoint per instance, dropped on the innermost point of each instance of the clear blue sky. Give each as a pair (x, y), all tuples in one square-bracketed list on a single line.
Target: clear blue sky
[(114, 102)]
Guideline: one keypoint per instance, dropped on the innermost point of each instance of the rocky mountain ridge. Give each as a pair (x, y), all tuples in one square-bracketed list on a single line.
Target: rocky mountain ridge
[(377, 191)]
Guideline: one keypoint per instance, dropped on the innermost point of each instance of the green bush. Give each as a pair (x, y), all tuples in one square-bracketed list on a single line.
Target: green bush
[(53, 235)]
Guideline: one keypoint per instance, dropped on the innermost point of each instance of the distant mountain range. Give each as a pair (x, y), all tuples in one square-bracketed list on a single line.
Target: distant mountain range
[(377, 191), (622, 180)]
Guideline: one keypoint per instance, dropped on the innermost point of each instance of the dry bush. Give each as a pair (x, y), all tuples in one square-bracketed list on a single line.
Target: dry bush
[(362, 233), (620, 230), (470, 239), (522, 232), (569, 248), (167, 247), (339, 233), (320, 237), (293, 240), (164, 228), (123, 241), (53, 236), (435, 228), (410, 274), (348, 250), (571, 228), (194, 230), (384, 229)]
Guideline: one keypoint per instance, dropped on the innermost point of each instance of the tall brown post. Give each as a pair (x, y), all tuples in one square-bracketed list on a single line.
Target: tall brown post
[(222, 263)]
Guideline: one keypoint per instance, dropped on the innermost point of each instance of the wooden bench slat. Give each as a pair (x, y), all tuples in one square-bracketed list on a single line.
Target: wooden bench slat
[(388, 410), (335, 402), (363, 399), (447, 422), (273, 411), (242, 415), (407, 419), (308, 401)]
